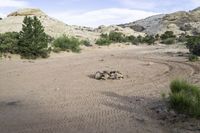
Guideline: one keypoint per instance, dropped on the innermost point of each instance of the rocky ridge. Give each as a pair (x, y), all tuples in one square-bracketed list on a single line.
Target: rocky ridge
[(56, 28), (53, 27), (181, 22)]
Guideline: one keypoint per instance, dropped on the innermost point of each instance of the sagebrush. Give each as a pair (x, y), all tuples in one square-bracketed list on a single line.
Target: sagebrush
[(65, 43)]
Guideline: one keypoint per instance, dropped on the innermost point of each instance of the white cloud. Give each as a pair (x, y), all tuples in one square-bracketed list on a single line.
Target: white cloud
[(196, 2), (101, 17), (139, 4), (13, 3)]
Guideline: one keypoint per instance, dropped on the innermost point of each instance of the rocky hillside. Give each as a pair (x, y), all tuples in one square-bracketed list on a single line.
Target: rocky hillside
[(53, 27), (178, 22), (125, 30), (56, 28)]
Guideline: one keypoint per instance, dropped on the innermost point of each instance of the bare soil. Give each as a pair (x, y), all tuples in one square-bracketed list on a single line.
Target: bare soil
[(58, 95)]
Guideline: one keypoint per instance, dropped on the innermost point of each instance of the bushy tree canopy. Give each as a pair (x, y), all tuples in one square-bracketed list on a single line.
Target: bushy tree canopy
[(33, 41), (168, 34), (9, 42), (65, 43), (193, 44)]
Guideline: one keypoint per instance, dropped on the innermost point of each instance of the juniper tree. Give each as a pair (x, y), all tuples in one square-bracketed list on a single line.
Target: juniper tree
[(33, 41)]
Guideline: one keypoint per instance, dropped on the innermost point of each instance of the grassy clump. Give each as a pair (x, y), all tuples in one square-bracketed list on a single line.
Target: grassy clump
[(193, 58), (185, 98), (65, 43)]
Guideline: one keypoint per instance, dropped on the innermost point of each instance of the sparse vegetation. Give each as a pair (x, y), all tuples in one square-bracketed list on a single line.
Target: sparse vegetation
[(132, 39), (168, 37), (117, 37), (193, 44), (193, 58), (168, 34), (65, 43), (103, 42), (185, 98), (30, 43), (169, 41), (149, 39), (86, 43), (139, 39), (182, 38)]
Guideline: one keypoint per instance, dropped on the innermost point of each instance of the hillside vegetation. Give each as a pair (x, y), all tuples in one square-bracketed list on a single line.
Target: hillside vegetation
[(32, 42)]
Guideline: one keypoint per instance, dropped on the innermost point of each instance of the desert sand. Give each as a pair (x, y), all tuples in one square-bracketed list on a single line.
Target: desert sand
[(58, 94)]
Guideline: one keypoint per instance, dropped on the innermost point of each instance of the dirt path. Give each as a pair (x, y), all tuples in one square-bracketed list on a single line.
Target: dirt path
[(57, 95)]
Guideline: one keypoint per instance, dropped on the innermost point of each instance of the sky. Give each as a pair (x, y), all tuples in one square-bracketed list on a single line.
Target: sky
[(99, 12)]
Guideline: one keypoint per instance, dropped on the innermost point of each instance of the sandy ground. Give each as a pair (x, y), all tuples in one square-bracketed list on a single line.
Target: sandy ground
[(58, 95)]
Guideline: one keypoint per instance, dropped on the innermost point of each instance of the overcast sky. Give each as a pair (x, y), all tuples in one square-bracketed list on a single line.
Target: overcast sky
[(99, 12)]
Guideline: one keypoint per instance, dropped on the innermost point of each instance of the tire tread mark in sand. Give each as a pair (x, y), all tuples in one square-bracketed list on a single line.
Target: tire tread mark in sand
[(175, 67)]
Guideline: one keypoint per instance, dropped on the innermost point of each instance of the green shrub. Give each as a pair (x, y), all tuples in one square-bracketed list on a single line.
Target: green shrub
[(149, 39), (182, 38), (67, 43), (9, 42), (140, 39), (116, 37), (169, 41), (193, 58), (132, 39), (103, 42), (86, 43), (193, 44), (157, 36), (104, 35), (33, 41), (185, 98), (168, 34)]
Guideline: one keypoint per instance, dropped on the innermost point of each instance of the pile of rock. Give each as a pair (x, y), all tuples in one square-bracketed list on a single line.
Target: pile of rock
[(108, 75)]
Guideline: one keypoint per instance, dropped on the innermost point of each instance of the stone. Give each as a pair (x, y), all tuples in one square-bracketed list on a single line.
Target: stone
[(137, 28), (105, 75), (98, 75)]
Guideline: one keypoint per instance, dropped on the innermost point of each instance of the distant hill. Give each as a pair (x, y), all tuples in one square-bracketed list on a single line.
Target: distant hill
[(178, 22), (56, 28), (53, 27)]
